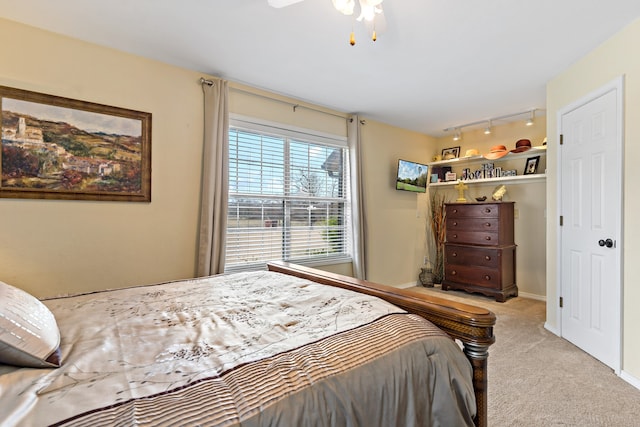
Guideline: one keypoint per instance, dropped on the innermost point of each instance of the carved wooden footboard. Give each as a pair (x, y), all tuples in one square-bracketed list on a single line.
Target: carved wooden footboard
[(473, 326)]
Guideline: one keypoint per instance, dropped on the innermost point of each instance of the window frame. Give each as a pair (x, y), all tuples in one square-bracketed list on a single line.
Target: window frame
[(299, 135)]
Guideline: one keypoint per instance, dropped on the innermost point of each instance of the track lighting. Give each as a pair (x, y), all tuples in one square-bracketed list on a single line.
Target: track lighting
[(487, 130)]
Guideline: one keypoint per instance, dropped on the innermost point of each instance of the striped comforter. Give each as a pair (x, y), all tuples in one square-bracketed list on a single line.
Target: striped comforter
[(250, 349)]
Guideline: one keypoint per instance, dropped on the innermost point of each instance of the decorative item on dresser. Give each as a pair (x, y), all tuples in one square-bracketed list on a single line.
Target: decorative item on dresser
[(480, 253)]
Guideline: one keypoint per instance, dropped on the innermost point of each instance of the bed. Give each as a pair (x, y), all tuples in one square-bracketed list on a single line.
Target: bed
[(268, 348)]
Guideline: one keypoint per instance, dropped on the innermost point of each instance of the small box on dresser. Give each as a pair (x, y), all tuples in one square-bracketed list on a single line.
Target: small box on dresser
[(480, 252)]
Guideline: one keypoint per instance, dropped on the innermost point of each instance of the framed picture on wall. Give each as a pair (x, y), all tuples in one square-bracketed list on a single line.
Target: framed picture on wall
[(450, 153), (61, 148), (531, 166)]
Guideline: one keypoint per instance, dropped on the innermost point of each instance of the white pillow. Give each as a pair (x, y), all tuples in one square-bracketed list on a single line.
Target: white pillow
[(29, 335)]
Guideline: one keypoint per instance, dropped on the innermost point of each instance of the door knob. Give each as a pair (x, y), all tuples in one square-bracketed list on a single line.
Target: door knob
[(608, 243)]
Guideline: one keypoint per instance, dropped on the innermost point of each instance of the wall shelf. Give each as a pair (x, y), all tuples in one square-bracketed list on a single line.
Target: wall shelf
[(462, 162), (480, 159), (505, 179)]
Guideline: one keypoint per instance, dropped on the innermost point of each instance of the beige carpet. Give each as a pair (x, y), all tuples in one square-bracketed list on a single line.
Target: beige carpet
[(539, 379)]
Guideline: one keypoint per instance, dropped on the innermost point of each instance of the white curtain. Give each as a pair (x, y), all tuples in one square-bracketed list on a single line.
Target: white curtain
[(215, 166), (357, 197)]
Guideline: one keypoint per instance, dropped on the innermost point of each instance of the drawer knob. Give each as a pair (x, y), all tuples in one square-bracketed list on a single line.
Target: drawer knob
[(453, 272), (488, 238), (455, 236), (455, 211), (487, 210), (455, 223), (454, 254), (487, 277), (487, 257), (488, 224)]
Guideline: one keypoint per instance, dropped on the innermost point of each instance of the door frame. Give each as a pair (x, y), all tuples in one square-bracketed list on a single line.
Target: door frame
[(618, 85)]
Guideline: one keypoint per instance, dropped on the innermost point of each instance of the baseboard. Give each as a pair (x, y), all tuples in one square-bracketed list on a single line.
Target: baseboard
[(532, 296), (520, 294), (630, 379), (551, 329), (407, 285)]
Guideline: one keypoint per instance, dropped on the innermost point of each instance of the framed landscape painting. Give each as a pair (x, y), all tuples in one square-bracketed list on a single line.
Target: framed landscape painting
[(61, 148)]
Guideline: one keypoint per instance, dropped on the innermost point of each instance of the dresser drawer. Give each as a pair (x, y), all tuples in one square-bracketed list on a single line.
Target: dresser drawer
[(465, 255), (473, 224), (472, 237), (473, 210), (485, 277)]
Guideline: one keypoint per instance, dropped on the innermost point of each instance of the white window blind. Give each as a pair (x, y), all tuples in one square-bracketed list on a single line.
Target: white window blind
[(288, 199)]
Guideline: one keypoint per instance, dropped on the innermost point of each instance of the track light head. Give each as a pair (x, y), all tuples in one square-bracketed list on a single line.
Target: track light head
[(487, 130), (530, 120)]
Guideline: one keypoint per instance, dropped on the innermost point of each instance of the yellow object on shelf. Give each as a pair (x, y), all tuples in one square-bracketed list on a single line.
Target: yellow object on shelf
[(460, 186)]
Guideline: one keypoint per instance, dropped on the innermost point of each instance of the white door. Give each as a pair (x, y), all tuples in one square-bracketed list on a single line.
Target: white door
[(591, 206)]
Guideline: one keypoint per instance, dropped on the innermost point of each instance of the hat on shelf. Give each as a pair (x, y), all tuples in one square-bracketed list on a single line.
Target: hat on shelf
[(522, 145), (543, 146), (471, 152), (496, 152)]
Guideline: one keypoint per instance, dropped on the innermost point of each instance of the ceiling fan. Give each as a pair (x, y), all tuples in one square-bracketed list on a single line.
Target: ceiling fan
[(370, 11), (282, 3)]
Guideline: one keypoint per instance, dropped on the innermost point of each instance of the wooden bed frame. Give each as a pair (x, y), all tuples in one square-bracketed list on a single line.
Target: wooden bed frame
[(473, 326)]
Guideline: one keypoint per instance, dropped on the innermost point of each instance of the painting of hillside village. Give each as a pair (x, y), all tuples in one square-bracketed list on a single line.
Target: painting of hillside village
[(56, 151)]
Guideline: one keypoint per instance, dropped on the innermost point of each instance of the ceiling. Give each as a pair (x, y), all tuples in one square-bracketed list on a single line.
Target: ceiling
[(438, 64)]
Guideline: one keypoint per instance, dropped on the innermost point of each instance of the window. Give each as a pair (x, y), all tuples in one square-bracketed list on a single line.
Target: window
[(288, 197)]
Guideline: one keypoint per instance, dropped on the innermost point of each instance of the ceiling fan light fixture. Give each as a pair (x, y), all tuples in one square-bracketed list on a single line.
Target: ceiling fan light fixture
[(344, 6), (369, 9), (282, 3)]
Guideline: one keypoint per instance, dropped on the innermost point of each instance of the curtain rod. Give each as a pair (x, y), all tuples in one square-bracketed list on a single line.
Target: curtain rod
[(295, 106), (204, 81)]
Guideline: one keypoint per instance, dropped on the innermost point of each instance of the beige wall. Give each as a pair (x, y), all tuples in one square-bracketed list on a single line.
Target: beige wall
[(617, 57), (51, 247), (530, 197), (396, 221)]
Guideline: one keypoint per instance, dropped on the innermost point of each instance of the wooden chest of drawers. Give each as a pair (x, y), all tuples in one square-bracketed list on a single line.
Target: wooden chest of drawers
[(480, 252)]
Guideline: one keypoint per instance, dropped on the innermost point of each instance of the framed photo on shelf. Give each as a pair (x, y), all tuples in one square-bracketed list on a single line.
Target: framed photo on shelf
[(531, 166), (450, 176), (450, 153)]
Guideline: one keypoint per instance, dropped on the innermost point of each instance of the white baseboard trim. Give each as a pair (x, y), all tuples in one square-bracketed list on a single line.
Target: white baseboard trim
[(407, 285), (630, 379), (520, 294), (532, 296), (551, 329)]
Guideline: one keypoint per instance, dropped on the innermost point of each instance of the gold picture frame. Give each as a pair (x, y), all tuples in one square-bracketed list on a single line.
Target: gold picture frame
[(61, 148)]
